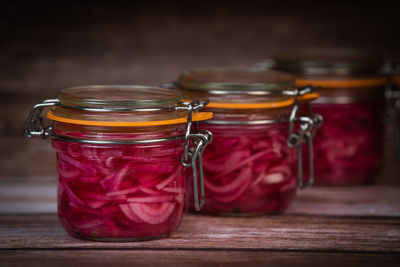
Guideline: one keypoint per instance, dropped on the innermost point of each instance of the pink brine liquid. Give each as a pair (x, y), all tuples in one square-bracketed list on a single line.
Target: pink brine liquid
[(248, 170), (112, 192), (348, 147)]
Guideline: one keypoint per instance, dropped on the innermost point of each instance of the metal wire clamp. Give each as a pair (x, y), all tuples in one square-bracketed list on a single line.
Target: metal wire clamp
[(195, 144), (308, 125), (34, 123), (392, 113)]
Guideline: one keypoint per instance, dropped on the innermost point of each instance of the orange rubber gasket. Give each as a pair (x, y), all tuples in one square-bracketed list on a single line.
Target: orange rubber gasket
[(201, 116), (308, 97), (380, 81), (396, 78), (266, 105)]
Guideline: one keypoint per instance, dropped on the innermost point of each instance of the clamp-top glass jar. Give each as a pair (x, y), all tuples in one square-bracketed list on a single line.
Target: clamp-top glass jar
[(250, 167), (394, 100), (348, 147), (119, 151)]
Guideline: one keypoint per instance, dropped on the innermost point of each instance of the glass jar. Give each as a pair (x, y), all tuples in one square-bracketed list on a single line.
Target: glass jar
[(348, 148), (394, 101), (119, 152), (249, 167)]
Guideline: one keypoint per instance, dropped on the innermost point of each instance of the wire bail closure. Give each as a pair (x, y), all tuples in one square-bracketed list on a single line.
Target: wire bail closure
[(392, 96), (200, 139), (308, 125)]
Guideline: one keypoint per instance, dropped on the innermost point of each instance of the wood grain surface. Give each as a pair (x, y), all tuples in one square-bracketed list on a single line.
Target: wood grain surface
[(38, 195), (281, 232), (131, 257)]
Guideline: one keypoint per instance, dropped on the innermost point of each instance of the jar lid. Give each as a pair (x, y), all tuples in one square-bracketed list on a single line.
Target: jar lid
[(320, 61), (118, 97), (236, 81), (239, 88), (121, 106)]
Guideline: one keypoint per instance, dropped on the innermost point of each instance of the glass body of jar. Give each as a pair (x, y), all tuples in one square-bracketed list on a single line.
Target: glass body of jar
[(349, 146), (395, 113), (248, 169), (122, 191)]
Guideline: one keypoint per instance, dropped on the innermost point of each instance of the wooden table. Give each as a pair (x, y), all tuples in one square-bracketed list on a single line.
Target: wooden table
[(349, 226)]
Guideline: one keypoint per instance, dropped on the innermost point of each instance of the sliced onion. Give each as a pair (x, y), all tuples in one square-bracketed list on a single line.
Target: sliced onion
[(152, 216), (151, 199), (237, 182), (118, 191), (246, 167), (348, 147)]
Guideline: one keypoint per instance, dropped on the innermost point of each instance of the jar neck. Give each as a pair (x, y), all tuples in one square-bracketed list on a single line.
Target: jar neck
[(241, 131), (348, 95), (249, 116), (86, 132)]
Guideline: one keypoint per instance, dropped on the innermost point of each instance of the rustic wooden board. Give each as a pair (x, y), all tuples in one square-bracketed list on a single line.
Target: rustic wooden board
[(23, 159), (39, 196), (281, 232), (28, 197), (348, 201), (148, 43), (167, 257)]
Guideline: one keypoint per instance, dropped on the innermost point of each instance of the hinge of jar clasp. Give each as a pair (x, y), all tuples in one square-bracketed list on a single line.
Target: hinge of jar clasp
[(192, 154), (301, 90), (308, 127), (34, 123)]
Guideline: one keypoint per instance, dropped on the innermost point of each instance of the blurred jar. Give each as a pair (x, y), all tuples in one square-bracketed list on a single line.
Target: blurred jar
[(249, 167), (393, 107), (348, 148)]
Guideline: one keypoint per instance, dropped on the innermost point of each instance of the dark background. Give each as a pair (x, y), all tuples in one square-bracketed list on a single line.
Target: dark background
[(45, 47)]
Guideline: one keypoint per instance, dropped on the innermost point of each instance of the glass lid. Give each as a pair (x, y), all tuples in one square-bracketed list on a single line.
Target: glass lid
[(236, 81), (121, 106), (328, 61), (119, 97)]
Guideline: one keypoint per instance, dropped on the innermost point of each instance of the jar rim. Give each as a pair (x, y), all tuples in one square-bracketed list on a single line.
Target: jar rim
[(266, 105), (200, 116), (343, 83)]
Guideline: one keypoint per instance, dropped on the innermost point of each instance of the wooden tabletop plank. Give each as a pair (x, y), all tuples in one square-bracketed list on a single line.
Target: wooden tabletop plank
[(28, 197), (280, 232), (101, 258), (348, 201), (370, 201)]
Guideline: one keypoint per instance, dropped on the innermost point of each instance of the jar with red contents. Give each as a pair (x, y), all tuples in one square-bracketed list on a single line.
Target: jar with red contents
[(252, 165), (119, 158), (348, 148), (393, 95)]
